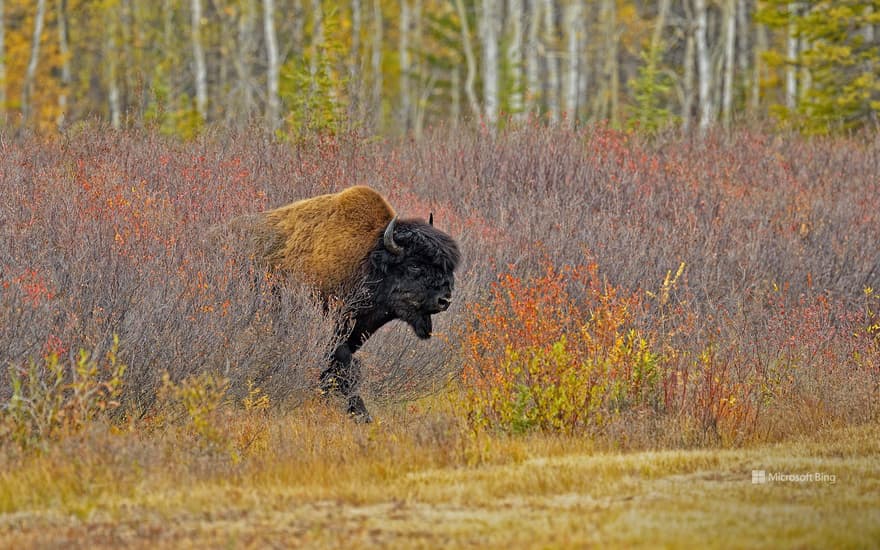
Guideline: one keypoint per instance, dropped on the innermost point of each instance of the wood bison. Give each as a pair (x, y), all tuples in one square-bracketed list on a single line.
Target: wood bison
[(352, 243)]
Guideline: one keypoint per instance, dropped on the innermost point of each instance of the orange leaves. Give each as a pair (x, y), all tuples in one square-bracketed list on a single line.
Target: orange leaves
[(554, 352), (34, 286)]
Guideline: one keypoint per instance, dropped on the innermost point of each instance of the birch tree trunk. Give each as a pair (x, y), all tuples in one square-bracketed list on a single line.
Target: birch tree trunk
[(244, 56), (614, 65), (870, 34), (201, 75), (515, 56), (113, 95), (317, 44), (729, 61), (687, 103), (31, 71), (376, 63), (704, 70), (455, 85), (607, 99), (2, 64), (551, 61), (354, 62), (403, 54), (297, 12), (128, 61), (64, 50), (273, 101), (743, 43), (761, 44), (489, 37), (574, 29), (470, 59), (421, 80), (533, 69), (791, 54), (584, 71)]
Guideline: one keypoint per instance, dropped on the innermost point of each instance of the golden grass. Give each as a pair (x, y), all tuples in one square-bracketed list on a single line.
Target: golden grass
[(312, 478)]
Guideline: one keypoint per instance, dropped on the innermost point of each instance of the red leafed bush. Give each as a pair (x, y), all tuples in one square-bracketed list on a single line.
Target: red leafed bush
[(557, 351)]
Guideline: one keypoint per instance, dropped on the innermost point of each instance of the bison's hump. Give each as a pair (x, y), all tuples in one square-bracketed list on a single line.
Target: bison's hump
[(325, 239)]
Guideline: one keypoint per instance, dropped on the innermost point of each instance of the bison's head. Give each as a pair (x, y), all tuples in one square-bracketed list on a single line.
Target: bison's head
[(415, 262)]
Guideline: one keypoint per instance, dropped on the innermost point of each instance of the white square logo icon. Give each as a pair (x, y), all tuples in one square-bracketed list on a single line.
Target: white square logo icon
[(759, 476)]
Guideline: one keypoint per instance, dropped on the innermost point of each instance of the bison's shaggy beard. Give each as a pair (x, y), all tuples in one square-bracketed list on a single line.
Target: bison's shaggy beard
[(421, 325)]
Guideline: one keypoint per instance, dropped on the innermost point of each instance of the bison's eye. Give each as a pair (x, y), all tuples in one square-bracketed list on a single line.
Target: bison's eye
[(415, 270)]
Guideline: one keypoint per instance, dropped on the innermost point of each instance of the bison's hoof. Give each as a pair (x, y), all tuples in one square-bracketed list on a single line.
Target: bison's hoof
[(358, 411)]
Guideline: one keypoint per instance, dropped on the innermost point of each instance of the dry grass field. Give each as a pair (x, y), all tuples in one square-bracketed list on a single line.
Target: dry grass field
[(316, 480)]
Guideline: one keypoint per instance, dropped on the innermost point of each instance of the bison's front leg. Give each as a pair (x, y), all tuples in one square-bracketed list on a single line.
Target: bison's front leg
[(343, 376)]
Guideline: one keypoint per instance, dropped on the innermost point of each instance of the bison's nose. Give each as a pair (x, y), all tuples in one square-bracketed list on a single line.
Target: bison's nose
[(444, 301)]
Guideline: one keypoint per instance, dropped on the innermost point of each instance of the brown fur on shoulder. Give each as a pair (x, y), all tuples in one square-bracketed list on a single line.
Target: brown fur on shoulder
[(324, 240)]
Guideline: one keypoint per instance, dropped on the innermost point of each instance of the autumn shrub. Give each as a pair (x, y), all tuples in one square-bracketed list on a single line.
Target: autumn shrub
[(60, 395), (555, 352)]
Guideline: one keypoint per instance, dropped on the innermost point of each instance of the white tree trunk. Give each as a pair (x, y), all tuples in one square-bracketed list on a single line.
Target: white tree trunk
[(403, 55), (2, 64), (704, 72), (515, 56), (743, 42), (791, 54), (687, 103), (761, 45), (606, 104), (869, 31), (550, 60), (355, 81), (533, 68), (870, 34), (489, 36), (31, 71), (729, 61), (64, 50), (317, 43), (273, 100), (201, 71), (470, 59), (376, 63), (113, 96), (574, 27), (244, 58), (660, 25), (455, 85)]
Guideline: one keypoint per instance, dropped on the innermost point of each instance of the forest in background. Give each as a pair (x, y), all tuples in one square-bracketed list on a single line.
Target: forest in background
[(399, 66)]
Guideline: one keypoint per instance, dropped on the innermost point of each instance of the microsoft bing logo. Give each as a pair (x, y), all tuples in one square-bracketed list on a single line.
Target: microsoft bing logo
[(761, 477)]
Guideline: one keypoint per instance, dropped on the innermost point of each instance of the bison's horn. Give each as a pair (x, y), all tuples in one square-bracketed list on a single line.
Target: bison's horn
[(431, 218), (390, 245)]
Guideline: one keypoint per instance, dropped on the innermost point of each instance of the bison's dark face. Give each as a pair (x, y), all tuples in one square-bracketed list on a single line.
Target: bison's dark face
[(419, 289), (417, 262)]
